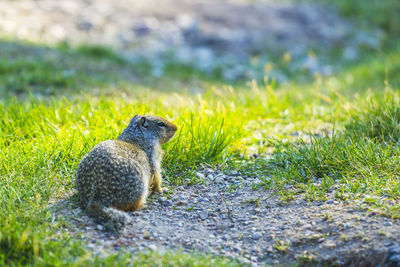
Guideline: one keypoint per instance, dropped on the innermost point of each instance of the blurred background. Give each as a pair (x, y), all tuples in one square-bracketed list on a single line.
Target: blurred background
[(231, 39)]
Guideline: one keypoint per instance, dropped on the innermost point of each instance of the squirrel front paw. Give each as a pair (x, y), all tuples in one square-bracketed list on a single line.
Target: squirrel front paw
[(160, 189)]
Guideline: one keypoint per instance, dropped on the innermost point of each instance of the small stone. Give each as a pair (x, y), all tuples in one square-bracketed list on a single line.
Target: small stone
[(85, 25), (270, 249), (329, 244), (307, 226), (200, 176), (237, 249), (394, 260), (388, 223), (388, 243), (394, 250), (226, 237), (141, 29), (153, 247), (203, 215), (166, 202), (329, 201), (146, 235), (186, 22), (219, 179), (209, 171), (256, 236), (222, 226), (100, 227), (210, 177)]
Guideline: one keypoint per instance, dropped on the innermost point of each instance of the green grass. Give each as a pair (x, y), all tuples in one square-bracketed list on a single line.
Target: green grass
[(359, 162), (43, 136), (378, 120)]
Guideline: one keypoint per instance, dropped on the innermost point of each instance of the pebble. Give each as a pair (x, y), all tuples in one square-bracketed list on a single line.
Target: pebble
[(219, 179), (388, 223), (100, 227), (394, 261), (307, 226), (256, 236), (200, 176), (152, 247), (203, 215), (222, 226), (394, 250), (166, 202)]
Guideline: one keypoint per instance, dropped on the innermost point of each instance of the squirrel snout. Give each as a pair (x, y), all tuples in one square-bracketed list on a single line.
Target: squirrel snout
[(174, 127)]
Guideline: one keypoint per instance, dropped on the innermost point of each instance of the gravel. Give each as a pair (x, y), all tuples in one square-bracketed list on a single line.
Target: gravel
[(253, 226)]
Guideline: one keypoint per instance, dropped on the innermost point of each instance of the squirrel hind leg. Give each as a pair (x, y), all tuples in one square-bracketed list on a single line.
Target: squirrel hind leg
[(111, 218)]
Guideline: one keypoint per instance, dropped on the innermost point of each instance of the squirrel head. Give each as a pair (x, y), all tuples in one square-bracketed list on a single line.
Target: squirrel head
[(144, 129)]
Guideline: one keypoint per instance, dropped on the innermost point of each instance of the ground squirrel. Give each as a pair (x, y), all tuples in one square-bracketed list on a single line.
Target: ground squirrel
[(118, 174)]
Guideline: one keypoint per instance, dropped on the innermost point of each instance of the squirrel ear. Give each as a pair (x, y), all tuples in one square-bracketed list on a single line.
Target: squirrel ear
[(134, 119), (143, 122)]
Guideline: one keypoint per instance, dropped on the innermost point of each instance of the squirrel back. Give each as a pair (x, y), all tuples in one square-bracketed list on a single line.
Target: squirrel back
[(118, 174)]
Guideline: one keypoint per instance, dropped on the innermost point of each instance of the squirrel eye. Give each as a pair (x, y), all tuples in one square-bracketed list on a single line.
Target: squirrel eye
[(161, 124)]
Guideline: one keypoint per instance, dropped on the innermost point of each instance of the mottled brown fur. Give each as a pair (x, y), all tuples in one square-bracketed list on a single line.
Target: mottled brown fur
[(118, 174)]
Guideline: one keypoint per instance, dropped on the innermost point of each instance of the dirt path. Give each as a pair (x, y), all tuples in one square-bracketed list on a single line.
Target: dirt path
[(225, 216)]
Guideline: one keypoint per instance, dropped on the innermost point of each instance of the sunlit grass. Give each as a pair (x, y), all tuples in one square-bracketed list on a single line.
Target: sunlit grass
[(378, 119), (360, 160)]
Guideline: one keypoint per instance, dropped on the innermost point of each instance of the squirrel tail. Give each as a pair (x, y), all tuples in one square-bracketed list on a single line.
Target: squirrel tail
[(111, 218)]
